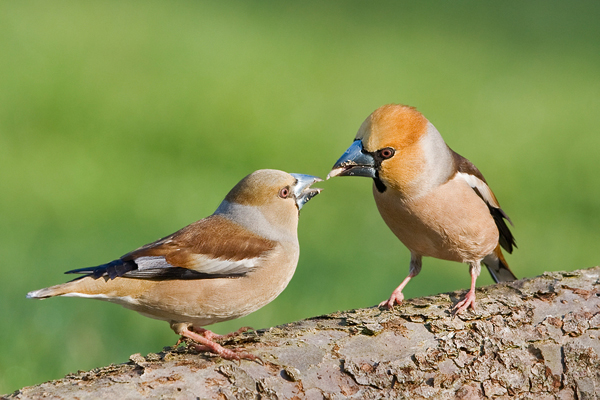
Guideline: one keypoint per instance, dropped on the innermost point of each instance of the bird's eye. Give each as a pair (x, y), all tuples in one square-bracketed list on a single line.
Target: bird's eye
[(284, 193), (386, 153)]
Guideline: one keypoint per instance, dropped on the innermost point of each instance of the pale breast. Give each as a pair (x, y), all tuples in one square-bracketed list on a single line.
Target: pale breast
[(450, 222)]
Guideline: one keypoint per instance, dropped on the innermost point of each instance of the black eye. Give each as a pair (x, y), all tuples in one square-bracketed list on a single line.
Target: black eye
[(386, 153), (284, 193)]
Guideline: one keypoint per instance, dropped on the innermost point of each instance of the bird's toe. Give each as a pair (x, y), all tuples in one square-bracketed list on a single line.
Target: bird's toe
[(468, 301), (395, 298)]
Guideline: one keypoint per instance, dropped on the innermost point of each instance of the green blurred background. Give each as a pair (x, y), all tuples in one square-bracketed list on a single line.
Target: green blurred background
[(121, 122)]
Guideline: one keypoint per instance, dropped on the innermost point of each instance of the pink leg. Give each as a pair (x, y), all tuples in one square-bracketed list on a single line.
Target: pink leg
[(204, 343), (396, 297), (469, 299)]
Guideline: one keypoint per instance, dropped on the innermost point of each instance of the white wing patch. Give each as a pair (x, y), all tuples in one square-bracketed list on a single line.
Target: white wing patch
[(202, 263), (211, 265), (483, 189), (152, 262)]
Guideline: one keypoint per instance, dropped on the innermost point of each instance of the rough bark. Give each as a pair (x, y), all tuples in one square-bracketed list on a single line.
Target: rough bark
[(534, 338)]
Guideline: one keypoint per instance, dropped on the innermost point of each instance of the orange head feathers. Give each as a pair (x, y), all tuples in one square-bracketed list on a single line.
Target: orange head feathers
[(392, 125), (399, 148)]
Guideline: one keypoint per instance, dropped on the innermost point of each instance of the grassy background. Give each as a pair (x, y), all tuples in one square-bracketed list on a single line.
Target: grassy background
[(122, 121)]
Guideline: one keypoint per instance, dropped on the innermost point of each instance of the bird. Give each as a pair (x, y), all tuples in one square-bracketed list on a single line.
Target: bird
[(436, 202), (222, 267)]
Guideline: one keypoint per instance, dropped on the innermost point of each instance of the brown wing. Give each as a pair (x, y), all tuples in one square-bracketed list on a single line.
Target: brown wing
[(475, 179), (209, 248), (215, 236)]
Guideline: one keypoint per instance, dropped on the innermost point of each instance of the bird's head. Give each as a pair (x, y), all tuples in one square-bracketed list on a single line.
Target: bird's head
[(269, 196), (386, 148)]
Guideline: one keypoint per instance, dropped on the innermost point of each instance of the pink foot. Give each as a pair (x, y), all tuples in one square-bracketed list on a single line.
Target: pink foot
[(227, 354), (395, 298), (212, 336), (205, 343), (462, 305), (238, 332)]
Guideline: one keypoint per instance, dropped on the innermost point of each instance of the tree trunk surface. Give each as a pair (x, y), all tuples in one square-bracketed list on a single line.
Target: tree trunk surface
[(534, 338)]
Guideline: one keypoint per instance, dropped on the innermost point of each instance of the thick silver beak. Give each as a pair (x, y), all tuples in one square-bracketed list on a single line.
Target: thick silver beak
[(302, 190), (354, 162)]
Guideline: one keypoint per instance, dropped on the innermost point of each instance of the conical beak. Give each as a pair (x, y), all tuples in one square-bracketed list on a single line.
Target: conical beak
[(302, 190), (354, 162)]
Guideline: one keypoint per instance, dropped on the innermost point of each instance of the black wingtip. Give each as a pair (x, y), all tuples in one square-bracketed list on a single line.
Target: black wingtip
[(112, 269), (506, 239)]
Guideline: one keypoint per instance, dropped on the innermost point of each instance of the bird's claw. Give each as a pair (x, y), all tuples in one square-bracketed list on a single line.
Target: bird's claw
[(227, 354), (243, 329), (247, 356), (468, 301), (395, 298), (214, 336), (201, 340)]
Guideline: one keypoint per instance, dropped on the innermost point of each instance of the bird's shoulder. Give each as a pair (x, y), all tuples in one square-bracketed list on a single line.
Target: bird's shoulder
[(465, 166)]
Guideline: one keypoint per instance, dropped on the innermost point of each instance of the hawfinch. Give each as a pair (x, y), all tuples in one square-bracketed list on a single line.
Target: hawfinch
[(222, 267), (434, 200)]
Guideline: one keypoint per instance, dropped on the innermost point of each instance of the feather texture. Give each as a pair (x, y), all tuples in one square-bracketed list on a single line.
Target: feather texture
[(467, 171), (212, 247)]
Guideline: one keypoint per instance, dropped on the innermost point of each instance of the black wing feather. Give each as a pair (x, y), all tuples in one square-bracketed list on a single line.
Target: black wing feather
[(129, 269), (175, 273), (506, 239), (112, 269)]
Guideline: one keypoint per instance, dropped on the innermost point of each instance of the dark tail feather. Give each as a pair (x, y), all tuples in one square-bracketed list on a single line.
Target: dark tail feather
[(498, 267)]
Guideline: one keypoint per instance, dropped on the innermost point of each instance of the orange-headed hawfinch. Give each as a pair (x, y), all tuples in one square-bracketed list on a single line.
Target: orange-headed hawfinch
[(219, 268), (434, 200)]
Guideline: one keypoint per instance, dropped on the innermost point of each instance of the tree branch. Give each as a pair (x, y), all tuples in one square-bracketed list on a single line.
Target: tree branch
[(535, 338)]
